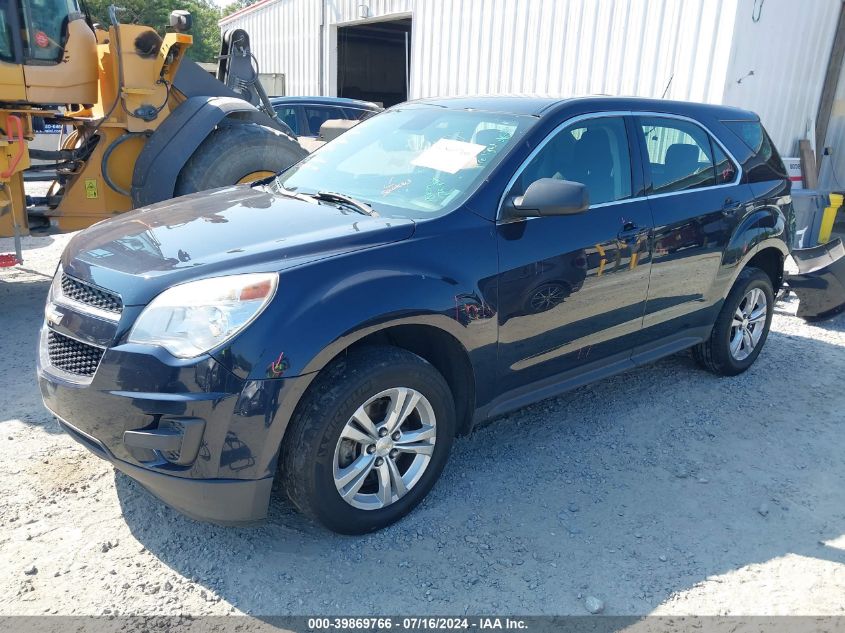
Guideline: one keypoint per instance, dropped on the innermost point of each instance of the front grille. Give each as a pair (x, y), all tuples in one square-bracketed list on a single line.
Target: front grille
[(90, 295), (72, 356)]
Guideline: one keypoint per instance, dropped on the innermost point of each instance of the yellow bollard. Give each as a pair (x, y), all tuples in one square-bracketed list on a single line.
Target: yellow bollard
[(829, 217)]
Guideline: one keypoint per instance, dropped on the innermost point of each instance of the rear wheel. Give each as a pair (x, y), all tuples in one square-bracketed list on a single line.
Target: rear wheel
[(237, 153), (742, 326), (369, 440)]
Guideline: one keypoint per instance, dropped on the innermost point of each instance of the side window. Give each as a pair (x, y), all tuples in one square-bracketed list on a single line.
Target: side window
[(725, 168), (46, 24), (679, 155), (766, 164), (317, 115), (593, 152), (7, 53), (288, 115)]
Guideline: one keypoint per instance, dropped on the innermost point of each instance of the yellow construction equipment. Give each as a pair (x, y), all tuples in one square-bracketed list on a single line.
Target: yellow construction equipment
[(142, 123)]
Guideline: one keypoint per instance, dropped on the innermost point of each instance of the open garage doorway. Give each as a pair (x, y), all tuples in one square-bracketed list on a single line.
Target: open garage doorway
[(373, 61)]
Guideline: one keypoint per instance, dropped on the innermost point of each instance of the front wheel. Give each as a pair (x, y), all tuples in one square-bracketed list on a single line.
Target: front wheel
[(369, 440), (742, 326)]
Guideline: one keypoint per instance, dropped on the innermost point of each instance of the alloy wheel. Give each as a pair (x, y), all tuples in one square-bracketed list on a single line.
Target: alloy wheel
[(384, 448), (748, 323)]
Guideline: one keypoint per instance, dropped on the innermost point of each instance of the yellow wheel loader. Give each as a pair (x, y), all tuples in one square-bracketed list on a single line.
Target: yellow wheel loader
[(142, 122)]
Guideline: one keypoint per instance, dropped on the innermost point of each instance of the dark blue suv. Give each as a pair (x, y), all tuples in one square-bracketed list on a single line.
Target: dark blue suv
[(440, 264)]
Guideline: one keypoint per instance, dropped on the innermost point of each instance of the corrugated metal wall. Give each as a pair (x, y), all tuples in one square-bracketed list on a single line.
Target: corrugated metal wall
[(528, 46), (572, 47), (787, 49)]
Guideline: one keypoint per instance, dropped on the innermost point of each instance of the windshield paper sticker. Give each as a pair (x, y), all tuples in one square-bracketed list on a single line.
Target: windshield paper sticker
[(449, 156)]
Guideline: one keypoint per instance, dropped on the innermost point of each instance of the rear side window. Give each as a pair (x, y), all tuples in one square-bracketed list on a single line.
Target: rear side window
[(679, 155), (725, 168), (765, 164)]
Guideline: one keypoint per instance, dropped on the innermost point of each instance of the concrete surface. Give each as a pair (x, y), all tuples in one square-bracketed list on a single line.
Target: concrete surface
[(663, 490)]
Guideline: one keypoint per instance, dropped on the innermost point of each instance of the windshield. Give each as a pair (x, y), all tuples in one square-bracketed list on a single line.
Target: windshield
[(416, 162)]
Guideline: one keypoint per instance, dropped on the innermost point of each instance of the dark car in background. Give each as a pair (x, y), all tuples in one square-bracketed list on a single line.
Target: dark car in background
[(439, 265), (305, 115)]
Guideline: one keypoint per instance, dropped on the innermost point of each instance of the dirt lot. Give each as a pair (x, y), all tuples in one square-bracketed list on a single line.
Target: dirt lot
[(663, 490)]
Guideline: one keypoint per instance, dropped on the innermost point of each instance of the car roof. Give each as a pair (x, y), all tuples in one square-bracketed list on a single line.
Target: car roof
[(540, 106), (335, 101)]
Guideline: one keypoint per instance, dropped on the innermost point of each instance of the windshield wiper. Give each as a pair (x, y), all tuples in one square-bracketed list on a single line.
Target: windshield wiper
[(277, 187), (360, 207)]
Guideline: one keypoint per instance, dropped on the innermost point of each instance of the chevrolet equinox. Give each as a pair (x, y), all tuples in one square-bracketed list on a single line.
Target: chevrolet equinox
[(442, 263)]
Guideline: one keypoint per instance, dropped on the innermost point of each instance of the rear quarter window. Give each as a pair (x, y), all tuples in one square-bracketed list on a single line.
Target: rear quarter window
[(765, 162)]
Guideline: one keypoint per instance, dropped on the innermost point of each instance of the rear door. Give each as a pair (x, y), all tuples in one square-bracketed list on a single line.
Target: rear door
[(693, 188)]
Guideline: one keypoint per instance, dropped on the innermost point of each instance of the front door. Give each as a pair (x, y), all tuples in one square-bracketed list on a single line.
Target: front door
[(572, 289)]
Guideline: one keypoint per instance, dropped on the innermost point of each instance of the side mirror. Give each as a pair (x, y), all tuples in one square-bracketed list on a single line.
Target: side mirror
[(547, 197)]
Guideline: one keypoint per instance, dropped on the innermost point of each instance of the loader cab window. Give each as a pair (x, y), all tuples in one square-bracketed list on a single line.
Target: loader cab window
[(7, 52), (45, 29)]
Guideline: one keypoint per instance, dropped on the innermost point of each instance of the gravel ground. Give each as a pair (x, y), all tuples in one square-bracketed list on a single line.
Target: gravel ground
[(663, 490)]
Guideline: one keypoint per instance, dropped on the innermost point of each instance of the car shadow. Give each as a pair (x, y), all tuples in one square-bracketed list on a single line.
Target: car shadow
[(633, 489), (20, 299)]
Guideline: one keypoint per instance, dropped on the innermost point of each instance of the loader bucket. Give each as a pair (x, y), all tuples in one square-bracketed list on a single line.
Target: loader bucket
[(820, 281)]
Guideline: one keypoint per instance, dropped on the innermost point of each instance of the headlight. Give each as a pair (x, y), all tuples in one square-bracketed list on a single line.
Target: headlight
[(190, 319)]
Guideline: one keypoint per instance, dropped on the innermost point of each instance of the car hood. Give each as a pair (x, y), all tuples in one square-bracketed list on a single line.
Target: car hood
[(225, 231)]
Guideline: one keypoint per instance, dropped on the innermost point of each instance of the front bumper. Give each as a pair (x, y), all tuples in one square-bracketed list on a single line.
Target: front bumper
[(226, 474), (221, 501)]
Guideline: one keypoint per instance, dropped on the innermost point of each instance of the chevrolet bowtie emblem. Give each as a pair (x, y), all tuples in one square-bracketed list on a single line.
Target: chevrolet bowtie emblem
[(53, 315)]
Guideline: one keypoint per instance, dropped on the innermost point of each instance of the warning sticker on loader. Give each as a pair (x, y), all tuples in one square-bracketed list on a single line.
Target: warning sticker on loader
[(90, 187)]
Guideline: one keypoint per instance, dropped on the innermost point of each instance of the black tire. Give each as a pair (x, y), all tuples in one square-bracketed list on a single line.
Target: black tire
[(308, 451), (714, 354), (232, 152)]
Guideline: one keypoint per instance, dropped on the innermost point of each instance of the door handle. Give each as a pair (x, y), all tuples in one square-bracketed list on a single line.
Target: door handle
[(629, 230), (731, 206)]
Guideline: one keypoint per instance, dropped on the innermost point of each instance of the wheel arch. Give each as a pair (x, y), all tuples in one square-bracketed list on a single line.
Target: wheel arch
[(429, 339), (433, 337), (178, 137), (770, 260), (444, 352)]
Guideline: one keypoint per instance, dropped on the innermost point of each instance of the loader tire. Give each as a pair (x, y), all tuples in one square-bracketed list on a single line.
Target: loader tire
[(237, 153)]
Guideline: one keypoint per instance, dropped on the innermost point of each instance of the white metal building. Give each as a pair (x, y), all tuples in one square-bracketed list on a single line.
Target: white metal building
[(770, 56)]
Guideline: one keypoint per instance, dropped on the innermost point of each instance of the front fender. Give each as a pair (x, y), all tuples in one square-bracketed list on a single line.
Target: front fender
[(443, 277), (322, 320)]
